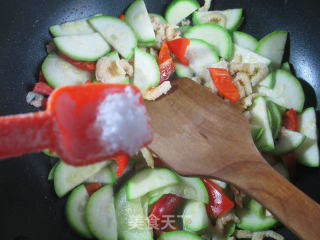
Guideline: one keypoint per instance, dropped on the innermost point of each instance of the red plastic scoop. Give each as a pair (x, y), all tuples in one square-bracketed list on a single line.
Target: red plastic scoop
[(83, 124)]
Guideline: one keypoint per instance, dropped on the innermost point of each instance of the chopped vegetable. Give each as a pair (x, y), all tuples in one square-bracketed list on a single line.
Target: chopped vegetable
[(83, 65), (121, 17), (223, 82), (290, 120), (165, 62), (93, 187), (178, 48), (42, 88), (218, 201), (165, 206), (122, 162)]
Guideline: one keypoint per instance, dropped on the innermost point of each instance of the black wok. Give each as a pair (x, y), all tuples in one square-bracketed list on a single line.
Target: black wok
[(29, 208)]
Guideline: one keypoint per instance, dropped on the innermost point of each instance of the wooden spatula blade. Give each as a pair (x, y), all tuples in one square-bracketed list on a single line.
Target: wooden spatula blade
[(200, 124)]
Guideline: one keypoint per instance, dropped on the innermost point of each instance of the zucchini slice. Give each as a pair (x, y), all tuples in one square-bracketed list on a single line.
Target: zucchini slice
[(117, 33), (75, 211), (245, 40), (100, 214), (180, 9), (137, 16), (213, 34), (272, 46), (287, 91), (150, 179)]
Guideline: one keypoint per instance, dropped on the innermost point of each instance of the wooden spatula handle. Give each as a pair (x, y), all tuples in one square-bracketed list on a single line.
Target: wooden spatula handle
[(290, 205), (25, 133)]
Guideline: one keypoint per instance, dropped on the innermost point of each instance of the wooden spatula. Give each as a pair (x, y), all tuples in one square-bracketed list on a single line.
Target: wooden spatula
[(197, 133)]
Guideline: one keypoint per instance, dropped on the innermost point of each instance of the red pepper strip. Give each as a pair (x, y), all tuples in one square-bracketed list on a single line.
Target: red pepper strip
[(165, 62), (41, 77), (42, 88), (162, 210), (178, 48), (121, 17), (83, 65), (223, 82), (218, 201), (93, 187), (122, 162), (289, 161), (290, 120), (88, 82)]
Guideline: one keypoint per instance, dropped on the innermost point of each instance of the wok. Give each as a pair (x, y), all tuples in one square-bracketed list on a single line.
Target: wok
[(29, 208)]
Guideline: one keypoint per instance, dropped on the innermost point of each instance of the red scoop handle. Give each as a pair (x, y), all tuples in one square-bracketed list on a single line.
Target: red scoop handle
[(25, 133)]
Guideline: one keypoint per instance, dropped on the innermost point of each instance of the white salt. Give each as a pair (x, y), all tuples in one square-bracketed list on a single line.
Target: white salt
[(124, 122)]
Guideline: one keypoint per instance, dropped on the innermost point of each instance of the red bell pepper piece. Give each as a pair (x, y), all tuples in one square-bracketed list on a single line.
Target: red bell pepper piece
[(122, 162), (223, 82), (290, 120), (218, 201), (178, 48), (289, 161), (83, 65), (165, 62), (42, 88), (121, 17), (44, 103), (163, 208), (92, 188)]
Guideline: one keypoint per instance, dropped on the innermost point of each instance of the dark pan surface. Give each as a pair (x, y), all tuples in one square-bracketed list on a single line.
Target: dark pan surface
[(29, 208)]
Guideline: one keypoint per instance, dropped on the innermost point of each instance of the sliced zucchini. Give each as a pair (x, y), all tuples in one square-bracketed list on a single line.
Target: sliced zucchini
[(276, 119), (58, 72), (201, 55), (245, 40), (75, 211), (256, 132), (179, 235), (150, 179), (131, 219), (66, 177), (287, 91), (288, 141), (233, 18), (195, 216), (286, 66), (117, 33), (147, 44), (268, 81), (272, 46), (256, 208), (259, 116), (214, 35), (137, 16), (248, 56), (250, 221), (182, 70), (308, 153), (179, 10), (77, 27), (146, 70), (51, 173), (88, 47), (228, 231), (100, 214), (191, 188), (104, 176)]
